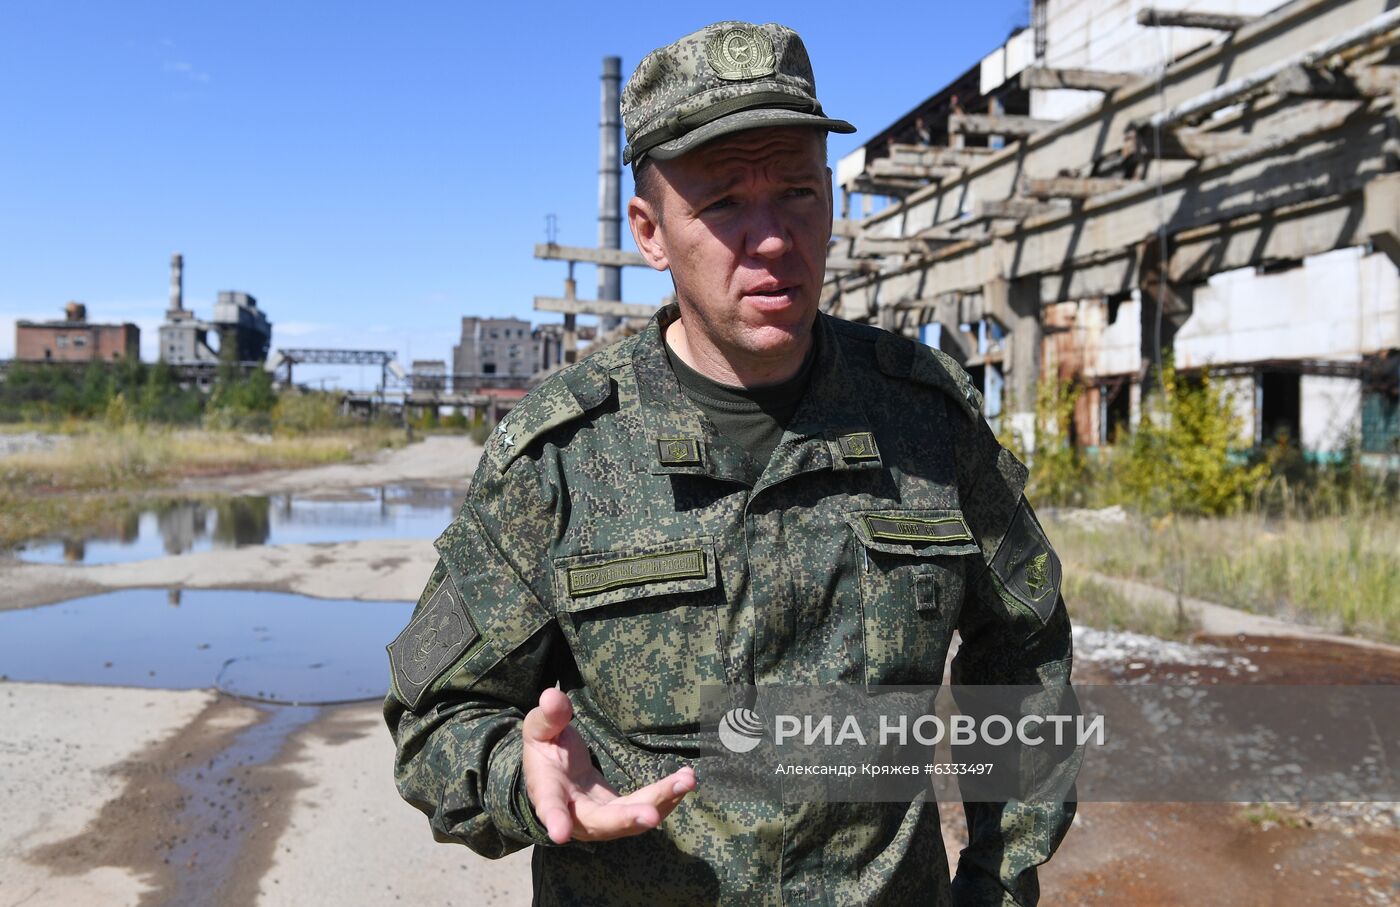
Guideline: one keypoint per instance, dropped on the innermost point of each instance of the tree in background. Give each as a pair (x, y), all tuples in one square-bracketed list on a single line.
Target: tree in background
[(1184, 458)]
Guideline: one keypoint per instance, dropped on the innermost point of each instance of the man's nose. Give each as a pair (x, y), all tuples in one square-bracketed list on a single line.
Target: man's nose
[(767, 235)]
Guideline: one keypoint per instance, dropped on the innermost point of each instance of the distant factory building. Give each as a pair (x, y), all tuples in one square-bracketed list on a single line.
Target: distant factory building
[(502, 352), (429, 375), (243, 331), (495, 346), (74, 339)]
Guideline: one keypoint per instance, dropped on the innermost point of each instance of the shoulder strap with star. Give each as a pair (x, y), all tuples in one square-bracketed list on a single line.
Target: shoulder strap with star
[(560, 399)]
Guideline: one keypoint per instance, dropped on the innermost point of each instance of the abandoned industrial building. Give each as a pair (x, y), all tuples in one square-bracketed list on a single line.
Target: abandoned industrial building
[(502, 352), (1118, 184), (239, 332), (75, 339)]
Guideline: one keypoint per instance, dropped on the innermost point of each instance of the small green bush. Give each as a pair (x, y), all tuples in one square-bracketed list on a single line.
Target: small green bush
[(1182, 458), (300, 413)]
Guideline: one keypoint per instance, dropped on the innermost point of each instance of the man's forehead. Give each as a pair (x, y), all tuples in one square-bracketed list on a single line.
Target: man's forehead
[(795, 148)]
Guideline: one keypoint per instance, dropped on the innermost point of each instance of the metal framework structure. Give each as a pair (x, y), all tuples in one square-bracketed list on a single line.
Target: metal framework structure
[(1277, 144), (571, 306), (285, 359)]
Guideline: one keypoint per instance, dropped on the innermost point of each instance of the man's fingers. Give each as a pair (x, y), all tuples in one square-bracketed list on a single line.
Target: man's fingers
[(552, 806), (669, 789), (559, 825), (548, 719), (614, 819), (639, 811)]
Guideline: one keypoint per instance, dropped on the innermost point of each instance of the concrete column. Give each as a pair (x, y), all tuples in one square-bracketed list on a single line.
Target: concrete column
[(177, 282), (570, 324), (1016, 304), (610, 182), (1165, 308)]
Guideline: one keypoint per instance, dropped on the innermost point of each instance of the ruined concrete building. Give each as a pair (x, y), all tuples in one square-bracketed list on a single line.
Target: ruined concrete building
[(493, 350), (240, 332), (1213, 180)]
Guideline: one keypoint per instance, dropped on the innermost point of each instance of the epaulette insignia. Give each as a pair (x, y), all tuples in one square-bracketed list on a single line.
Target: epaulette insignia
[(678, 451), (559, 400), (858, 446)]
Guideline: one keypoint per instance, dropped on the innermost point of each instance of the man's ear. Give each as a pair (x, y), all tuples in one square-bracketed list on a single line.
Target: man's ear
[(646, 232)]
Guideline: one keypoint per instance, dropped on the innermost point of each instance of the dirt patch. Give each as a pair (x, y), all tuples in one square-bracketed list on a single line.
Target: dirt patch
[(142, 827), (446, 461), (382, 569), (50, 589), (1150, 854), (1292, 660)]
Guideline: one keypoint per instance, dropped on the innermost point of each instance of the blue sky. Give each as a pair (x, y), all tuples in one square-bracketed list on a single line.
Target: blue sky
[(371, 172)]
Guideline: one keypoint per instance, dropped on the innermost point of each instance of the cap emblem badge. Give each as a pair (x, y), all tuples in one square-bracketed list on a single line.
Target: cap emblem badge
[(740, 53)]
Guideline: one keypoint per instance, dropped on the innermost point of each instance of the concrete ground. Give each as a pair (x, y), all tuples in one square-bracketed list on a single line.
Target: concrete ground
[(114, 796)]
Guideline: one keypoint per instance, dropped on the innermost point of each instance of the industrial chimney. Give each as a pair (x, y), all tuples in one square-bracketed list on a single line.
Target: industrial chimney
[(177, 283), (610, 183)]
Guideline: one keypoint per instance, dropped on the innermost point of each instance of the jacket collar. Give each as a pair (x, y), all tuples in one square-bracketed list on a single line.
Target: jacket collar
[(829, 430)]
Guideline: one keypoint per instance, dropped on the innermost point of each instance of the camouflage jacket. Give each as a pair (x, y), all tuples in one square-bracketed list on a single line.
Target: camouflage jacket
[(614, 543)]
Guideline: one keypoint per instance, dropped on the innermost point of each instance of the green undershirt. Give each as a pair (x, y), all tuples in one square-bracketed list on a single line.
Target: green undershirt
[(752, 417)]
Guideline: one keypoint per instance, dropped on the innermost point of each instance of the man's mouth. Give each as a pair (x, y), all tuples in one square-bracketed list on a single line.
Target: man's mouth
[(772, 292)]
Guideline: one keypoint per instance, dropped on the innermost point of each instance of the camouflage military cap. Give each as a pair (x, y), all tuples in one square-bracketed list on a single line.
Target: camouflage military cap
[(724, 78)]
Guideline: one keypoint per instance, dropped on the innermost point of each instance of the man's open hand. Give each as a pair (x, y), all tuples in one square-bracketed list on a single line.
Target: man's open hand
[(569, 794)]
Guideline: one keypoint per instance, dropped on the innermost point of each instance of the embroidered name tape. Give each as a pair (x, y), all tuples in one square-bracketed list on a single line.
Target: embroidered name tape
[(630, 571), (915, 529)]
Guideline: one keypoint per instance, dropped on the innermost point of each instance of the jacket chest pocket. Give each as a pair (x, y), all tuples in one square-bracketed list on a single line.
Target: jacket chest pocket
[(914, 566), (644, 626)]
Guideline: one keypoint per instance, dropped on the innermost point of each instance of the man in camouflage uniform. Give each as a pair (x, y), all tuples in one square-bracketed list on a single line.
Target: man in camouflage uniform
[(748, 492)]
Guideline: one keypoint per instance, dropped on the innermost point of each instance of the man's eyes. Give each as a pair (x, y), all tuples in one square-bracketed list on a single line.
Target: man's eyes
[(792, 192)]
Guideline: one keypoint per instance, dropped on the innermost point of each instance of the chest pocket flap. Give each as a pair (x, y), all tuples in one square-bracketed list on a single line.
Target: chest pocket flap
[(643, 623), (917, 532), (913, 564)]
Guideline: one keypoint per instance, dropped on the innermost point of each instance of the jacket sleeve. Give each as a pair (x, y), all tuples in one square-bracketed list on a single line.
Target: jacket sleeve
[(1014, 631), (481, 646)]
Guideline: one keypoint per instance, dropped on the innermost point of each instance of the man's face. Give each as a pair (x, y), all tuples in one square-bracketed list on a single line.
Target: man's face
[(743, 225)]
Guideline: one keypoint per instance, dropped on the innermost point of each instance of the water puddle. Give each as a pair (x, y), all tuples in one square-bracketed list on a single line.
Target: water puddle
[(224, 800), (270, 646), (176, 527)]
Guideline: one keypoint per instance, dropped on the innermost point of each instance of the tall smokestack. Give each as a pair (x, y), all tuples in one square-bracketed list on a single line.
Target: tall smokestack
[(610, 183), (177, 282)]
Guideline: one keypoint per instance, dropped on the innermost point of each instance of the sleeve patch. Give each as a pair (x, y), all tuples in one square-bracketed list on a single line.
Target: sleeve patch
[(435, 638), (1026, 564)]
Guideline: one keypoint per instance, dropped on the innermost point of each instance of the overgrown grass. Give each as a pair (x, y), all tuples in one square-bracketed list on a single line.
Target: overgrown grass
[(1096, 604), (94, 459), (1340, 572), (1266, 816), (95, 474)]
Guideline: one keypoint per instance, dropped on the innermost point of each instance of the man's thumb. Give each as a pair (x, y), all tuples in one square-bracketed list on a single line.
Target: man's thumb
[(550, 717)]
